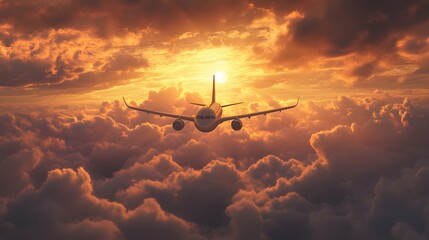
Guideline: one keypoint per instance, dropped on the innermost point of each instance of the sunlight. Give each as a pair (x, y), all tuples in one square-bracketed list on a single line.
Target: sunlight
[(220, 77)]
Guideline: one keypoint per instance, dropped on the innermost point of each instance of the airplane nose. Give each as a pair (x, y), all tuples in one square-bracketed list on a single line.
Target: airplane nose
[(205, 117)]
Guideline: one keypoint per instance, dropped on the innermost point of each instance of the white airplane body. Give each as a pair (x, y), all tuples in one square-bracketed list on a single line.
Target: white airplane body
[(209, 116)]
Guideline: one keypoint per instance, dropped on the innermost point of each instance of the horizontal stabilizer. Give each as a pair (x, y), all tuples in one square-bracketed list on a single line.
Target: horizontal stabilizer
[(231, 104), (198, 104)]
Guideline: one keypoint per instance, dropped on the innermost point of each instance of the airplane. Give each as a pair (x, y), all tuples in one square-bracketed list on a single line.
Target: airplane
[(210, 115)]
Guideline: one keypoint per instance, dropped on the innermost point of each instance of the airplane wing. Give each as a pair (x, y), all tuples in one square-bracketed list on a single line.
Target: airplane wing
[(258, 113), (161, 114)]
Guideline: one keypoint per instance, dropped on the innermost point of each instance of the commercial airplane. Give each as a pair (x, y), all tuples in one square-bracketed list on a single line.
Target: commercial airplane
[(210, 115)]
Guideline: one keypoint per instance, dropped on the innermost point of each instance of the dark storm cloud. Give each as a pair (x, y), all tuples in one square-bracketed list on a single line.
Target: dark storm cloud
[(362, 176), (364, 70), (341, 22), (116, 17), (19, 73), (66, 71), (415, 46), (338, 28), (125, 61)]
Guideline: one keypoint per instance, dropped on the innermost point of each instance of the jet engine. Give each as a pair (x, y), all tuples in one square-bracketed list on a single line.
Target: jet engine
[(236, 124), (178, 124)]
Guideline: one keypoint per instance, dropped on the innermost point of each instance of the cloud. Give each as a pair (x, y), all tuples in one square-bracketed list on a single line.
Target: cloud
[(268, 169), (357, 43), (334, 169), (64, 205), (76, 46), (157, 168), (196, 196), (88, 229), (109, 18), (364, 70), (246, 220), (23, 73), (150, 221), (17, 167), (407, 192), (344, 27), (66, 59), (67, 195)]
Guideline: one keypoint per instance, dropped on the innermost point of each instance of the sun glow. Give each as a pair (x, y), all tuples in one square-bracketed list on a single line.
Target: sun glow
[(221, 77)]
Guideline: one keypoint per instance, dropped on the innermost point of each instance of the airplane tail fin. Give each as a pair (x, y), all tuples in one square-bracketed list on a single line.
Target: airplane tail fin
[(214, 89)]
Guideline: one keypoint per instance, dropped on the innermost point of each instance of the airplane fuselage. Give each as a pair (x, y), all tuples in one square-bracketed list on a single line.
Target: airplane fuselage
[(208, 117)]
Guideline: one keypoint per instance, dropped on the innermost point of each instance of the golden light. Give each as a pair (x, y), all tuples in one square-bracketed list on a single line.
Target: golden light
[(220, 77)]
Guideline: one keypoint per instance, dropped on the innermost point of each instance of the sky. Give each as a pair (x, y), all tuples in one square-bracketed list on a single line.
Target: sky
[(350, 162)]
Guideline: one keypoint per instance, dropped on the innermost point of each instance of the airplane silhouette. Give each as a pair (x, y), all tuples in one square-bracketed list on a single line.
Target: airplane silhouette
[(210, 115)]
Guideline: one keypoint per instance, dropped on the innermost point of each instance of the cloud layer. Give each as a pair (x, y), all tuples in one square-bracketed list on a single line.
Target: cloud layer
[(349, 168), (82, 46), (351, 162)]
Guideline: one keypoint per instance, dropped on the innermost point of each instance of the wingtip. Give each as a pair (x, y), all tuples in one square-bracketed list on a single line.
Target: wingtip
[(124, 101)]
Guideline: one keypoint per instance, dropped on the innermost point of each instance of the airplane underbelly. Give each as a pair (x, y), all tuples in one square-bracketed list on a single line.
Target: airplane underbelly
[(207, 128)]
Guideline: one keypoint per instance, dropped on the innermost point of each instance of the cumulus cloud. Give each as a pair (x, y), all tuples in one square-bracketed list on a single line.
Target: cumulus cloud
[(17, 166), (246, 220), (342, 168), (197, 196), (349, 167), (64, 206)]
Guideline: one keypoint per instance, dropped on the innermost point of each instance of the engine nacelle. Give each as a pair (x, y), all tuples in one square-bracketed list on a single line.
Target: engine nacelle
[(236, 124), (178, 124)]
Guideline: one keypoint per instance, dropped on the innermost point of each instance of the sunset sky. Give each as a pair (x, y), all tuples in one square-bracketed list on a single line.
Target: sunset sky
[(350, 162)]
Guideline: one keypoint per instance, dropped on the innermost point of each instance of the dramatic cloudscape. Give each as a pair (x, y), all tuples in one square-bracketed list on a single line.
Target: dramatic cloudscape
[(350, 162)]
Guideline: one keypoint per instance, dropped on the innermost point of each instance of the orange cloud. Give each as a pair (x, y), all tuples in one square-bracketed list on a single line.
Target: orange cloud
[(349, 163), (284, 170)]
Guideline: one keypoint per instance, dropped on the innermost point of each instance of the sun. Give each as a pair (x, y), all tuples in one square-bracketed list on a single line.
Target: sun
[(220, 77)]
